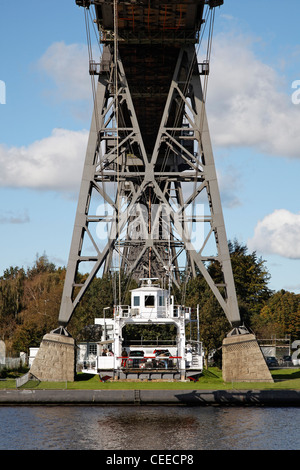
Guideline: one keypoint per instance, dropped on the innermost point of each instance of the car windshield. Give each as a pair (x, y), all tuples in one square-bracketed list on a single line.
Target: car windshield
[(164, 352), (136, 353)]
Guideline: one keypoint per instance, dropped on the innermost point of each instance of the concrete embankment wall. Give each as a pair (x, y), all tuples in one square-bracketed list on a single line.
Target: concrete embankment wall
[(151, 397)]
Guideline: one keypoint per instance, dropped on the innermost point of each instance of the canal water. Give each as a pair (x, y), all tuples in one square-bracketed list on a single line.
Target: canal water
[(149, 428)]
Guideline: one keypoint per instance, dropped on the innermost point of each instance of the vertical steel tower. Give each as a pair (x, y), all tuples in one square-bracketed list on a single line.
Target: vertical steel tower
[(149, 202)]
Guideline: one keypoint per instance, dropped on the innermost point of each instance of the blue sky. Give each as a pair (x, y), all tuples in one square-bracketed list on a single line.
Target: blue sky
[(253, 121)]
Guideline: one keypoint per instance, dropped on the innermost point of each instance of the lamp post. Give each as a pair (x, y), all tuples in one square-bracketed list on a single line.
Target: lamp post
[(104, 325)]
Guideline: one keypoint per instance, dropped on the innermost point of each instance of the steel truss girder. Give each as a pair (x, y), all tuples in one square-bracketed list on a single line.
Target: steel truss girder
[(149, 199)]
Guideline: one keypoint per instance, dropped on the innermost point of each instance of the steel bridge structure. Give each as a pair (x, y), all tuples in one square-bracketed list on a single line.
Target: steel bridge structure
[(149, 203)]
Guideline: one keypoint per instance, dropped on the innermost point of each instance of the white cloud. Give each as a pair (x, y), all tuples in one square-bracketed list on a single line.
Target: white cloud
[(245, 108), (278, 233), (246, 104), (229, 186), (68, 67), (11, 218), (54, 163)]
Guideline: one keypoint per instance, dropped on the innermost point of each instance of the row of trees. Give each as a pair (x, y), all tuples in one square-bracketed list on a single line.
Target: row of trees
[(264, 312), (30, 302)]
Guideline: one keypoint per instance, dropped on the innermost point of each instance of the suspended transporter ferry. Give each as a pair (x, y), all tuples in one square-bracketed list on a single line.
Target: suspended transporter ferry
[(150, 304)]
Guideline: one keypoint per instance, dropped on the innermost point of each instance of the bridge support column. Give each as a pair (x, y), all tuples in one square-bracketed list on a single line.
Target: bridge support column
[(242, 359), (55, 359)]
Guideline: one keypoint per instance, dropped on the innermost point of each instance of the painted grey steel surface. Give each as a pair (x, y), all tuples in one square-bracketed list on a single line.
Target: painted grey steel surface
[(156, 201)]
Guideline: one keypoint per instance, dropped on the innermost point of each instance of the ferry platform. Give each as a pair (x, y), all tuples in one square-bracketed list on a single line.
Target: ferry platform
[(150, 374)]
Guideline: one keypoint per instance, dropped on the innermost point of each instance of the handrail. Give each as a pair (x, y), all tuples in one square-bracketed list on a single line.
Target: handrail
[(162, 312)]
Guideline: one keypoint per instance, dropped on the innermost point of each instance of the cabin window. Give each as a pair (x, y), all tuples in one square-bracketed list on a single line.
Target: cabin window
[(92, 349), (136, 301), (149, 301), (161, 301)]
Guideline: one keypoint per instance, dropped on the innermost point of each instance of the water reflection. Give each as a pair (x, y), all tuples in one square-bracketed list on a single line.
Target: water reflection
[(148, 428)]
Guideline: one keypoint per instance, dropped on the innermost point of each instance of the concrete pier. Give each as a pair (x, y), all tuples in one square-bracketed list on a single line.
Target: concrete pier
[(55, 359), (243, 361)]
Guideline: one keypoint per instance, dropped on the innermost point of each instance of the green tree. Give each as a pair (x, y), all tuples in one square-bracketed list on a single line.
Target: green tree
[(280, 316), (41, 265), (98, 296), (103, 293), (43, 287), (213, 324), (11, 301), (251, 282), (251, 279)]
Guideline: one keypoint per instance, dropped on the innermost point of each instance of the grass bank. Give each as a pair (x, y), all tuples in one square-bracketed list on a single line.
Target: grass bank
[(211, 379)]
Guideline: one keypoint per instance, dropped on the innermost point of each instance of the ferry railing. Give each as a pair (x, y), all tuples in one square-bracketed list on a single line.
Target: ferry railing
[(151, 342), (89, 365), (150, 363), (180, 310), (123, 311)]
